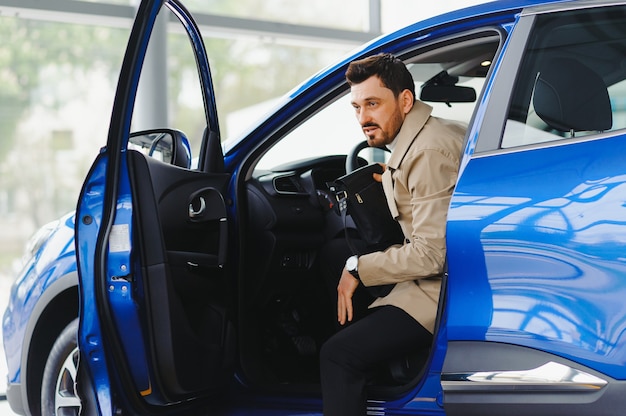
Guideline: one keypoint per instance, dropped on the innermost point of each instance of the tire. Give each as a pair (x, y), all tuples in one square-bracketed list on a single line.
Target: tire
[(58, 387)]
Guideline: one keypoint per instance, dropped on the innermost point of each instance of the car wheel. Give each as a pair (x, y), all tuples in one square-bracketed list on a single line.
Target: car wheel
[(58, 387)]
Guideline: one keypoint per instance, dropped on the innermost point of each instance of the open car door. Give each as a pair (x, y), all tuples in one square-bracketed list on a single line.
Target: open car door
[(150, 233)]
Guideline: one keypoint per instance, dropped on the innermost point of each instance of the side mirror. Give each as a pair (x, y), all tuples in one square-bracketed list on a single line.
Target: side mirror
[(167, 145), (442, 88)]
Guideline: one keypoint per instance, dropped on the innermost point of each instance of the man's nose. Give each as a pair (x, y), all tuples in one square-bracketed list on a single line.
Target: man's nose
[(363, 117)]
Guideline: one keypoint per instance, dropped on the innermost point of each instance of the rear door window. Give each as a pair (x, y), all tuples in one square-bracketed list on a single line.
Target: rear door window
[(572, 79)]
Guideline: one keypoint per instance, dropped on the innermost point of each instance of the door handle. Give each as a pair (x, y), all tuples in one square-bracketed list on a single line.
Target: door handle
[(193, 213)]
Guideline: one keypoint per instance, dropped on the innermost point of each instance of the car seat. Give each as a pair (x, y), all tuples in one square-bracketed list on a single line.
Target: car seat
[(571, 97)]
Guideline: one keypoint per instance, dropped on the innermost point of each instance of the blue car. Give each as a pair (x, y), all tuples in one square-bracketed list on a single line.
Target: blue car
[(196, 288)]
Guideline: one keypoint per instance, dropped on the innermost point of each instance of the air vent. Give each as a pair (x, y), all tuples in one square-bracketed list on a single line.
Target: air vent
[(287, 185)]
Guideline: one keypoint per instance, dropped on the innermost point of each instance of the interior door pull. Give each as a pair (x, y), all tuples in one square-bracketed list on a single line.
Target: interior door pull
[(192, 211)]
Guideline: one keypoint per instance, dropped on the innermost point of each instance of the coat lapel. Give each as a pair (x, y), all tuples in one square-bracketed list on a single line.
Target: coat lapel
[(413, 124)]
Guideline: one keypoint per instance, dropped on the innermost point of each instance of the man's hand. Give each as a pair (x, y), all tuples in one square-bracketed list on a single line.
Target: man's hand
[(345, 291), (378, 177)]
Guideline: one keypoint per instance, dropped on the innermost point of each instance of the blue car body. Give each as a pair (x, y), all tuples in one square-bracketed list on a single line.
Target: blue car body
[(532, 314)]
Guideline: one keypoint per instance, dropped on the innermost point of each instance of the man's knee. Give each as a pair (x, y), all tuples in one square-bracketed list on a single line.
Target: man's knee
[(335, 350), (328, 351), (341, 351)]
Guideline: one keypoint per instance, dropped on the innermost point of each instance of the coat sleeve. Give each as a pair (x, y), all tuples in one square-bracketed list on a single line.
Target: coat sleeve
[(423, 188)]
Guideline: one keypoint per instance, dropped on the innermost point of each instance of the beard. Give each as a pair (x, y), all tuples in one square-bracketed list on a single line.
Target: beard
[(383, 136)]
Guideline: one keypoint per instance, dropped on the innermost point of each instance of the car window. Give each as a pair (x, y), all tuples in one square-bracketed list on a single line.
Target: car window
[(334, 130), (572, 80), (182, 92)]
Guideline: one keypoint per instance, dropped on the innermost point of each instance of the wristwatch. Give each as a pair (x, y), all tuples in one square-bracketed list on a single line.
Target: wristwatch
[(352, 265)]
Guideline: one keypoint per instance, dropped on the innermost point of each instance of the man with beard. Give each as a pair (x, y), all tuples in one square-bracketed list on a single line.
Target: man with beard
[(418, 181)]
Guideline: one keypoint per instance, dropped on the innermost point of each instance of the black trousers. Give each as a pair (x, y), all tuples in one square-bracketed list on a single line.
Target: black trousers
[(348, 358)]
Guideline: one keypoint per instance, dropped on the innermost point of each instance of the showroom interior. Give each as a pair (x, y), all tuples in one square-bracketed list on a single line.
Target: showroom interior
[(59, 63)]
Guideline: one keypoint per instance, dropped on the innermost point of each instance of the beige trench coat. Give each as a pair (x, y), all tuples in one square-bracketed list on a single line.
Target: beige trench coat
[(419, 180)]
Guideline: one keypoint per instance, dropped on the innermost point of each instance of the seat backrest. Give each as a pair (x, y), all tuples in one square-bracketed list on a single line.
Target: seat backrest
[(571, 97)]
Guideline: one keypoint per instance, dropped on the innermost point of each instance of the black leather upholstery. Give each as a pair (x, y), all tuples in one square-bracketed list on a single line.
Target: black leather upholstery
[(569, 96)]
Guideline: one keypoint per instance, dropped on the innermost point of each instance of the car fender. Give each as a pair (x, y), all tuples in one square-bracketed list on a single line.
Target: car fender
[(58, 288)]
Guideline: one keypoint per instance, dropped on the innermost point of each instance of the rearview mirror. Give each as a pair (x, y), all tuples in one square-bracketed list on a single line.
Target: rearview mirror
[(167, 145), (448, 94), (442, 88)]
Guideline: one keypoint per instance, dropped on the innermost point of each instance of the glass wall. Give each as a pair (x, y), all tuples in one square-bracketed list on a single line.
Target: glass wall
[(346, 14), (58, 82), (352, 14)]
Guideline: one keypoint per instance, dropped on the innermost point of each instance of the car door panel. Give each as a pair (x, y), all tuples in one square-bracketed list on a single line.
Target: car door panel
[(182, 277), (542, 242), (151, 246)]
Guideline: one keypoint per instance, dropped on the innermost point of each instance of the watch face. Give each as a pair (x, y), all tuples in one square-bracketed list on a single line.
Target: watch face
[(352, 263)]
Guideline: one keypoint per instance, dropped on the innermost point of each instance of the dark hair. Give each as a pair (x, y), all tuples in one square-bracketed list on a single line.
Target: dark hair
[(391, 71)]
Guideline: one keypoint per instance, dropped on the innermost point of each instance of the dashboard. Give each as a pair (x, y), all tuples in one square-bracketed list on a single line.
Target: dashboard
[(296, 196)]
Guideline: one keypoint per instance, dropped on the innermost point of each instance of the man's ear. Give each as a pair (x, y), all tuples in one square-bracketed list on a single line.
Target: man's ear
[(406, 100)]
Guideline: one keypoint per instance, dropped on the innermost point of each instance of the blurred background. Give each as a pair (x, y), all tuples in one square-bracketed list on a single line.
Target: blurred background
[(59, 62)]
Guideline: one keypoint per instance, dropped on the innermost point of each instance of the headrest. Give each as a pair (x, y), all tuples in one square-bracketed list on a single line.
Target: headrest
[(569, 96)]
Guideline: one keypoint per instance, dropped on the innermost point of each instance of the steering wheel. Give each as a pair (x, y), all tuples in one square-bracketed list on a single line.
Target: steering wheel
[(353, 162)]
